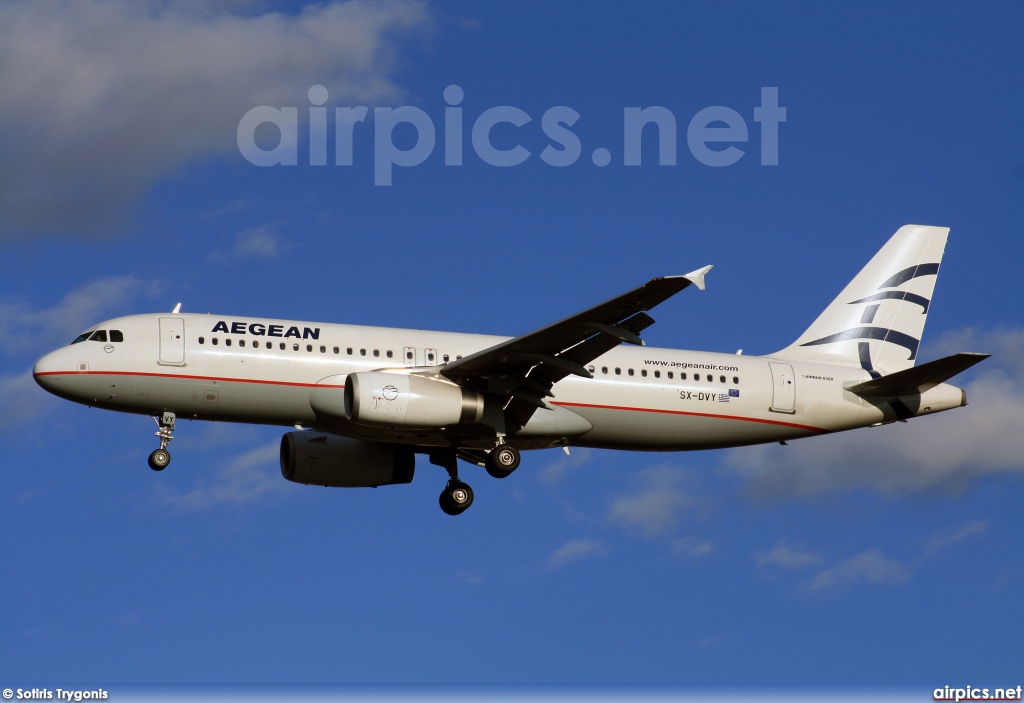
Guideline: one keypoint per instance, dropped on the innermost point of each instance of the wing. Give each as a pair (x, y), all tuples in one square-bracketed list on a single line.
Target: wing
[(525, 368)]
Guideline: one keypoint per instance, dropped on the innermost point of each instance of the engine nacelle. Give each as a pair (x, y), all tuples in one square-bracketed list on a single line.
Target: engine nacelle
[(383, 399), (319, 459)]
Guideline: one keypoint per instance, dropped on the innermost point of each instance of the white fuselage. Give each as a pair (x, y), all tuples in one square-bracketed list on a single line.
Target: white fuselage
[(256, 370)]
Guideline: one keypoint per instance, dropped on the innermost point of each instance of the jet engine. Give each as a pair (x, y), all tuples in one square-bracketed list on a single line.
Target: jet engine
[(320, 459), (383, 399)]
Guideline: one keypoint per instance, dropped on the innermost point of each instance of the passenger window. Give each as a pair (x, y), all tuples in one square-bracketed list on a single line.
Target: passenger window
[(735, 379), (362, 352), (270, 345), (618, 371), (349, 351), (336, 350), (116, 336), (227, 342), (682, 376), (630, 372), (721, 379), (408, 355), (282, 346), (458, 356), (696, 377), (657, 374), (604, 369), (295, 347), (430, 357), (241, 342), (376, 352), (445, 360), (309, 347), (643, 372), (98, 336), (590, 369), (669, 374), (214, 341), (202, 341), (391, 354)]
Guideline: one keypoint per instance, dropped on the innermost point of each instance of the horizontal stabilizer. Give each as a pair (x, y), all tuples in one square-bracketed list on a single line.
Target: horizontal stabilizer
[(918, 379)]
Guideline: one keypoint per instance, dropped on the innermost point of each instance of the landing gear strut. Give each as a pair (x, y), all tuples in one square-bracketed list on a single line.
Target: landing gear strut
[(456, 496), (160, 458), (502, 461)]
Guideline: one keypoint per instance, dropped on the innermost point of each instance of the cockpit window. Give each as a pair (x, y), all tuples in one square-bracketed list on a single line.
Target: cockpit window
[(98, 336), (116, 336), (82, 337)]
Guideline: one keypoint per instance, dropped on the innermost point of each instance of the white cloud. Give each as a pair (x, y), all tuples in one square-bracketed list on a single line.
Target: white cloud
[(261, 242), (558, 469), (787, 556), (944, 452), (870, 566), (945, 540), (691, 547), (575, 550), (104, 97), (244, 479), (656, 506), (469, 579), (21, 401), (25, 329)]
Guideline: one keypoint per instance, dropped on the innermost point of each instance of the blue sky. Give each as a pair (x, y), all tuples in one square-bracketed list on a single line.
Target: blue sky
[(884, 556)]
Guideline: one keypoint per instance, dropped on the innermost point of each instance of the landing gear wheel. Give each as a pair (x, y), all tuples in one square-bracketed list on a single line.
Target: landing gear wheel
[(456, 497), (159, 459), (502, 461)]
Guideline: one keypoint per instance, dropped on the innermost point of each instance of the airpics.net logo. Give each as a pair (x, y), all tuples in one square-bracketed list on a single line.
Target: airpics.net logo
[(715, 135)]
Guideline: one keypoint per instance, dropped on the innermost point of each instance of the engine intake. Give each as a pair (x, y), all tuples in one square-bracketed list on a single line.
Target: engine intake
[(319, 459), (383, 399)]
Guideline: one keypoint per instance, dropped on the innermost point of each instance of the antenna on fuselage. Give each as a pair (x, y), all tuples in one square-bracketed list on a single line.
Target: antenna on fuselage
[(177, 309)]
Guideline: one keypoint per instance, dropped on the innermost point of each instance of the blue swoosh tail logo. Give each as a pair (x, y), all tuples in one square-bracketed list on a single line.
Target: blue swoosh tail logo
[(881, 334)]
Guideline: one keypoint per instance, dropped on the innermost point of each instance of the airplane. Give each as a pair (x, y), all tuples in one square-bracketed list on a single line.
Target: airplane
[(365, 401)]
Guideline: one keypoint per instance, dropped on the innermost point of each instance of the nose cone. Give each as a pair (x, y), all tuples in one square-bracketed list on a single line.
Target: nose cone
[(48, 372)]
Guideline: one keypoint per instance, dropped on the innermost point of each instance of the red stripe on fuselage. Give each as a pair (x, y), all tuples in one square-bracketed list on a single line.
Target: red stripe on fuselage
[(195, 378), (684, 412)]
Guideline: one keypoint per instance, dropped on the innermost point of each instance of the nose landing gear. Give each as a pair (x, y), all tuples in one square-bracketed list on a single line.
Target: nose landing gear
[(160, 458)]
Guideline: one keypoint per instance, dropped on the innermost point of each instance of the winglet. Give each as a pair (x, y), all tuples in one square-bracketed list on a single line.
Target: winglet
[(177, 309), (697, 277)]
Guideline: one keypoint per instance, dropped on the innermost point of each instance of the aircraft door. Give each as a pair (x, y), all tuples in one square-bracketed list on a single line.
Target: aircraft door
[(783, 388), (172, 341), (409, 355)]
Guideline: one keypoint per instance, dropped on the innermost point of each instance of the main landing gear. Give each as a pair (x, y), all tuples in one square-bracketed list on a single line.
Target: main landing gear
[(160, 458), (502, 461), (456, 496)]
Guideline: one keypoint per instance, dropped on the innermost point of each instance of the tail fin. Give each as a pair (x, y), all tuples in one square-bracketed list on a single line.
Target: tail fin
[(877, 321)]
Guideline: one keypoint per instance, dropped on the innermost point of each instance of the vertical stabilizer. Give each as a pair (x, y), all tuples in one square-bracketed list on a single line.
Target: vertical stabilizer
[(877, 321)]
